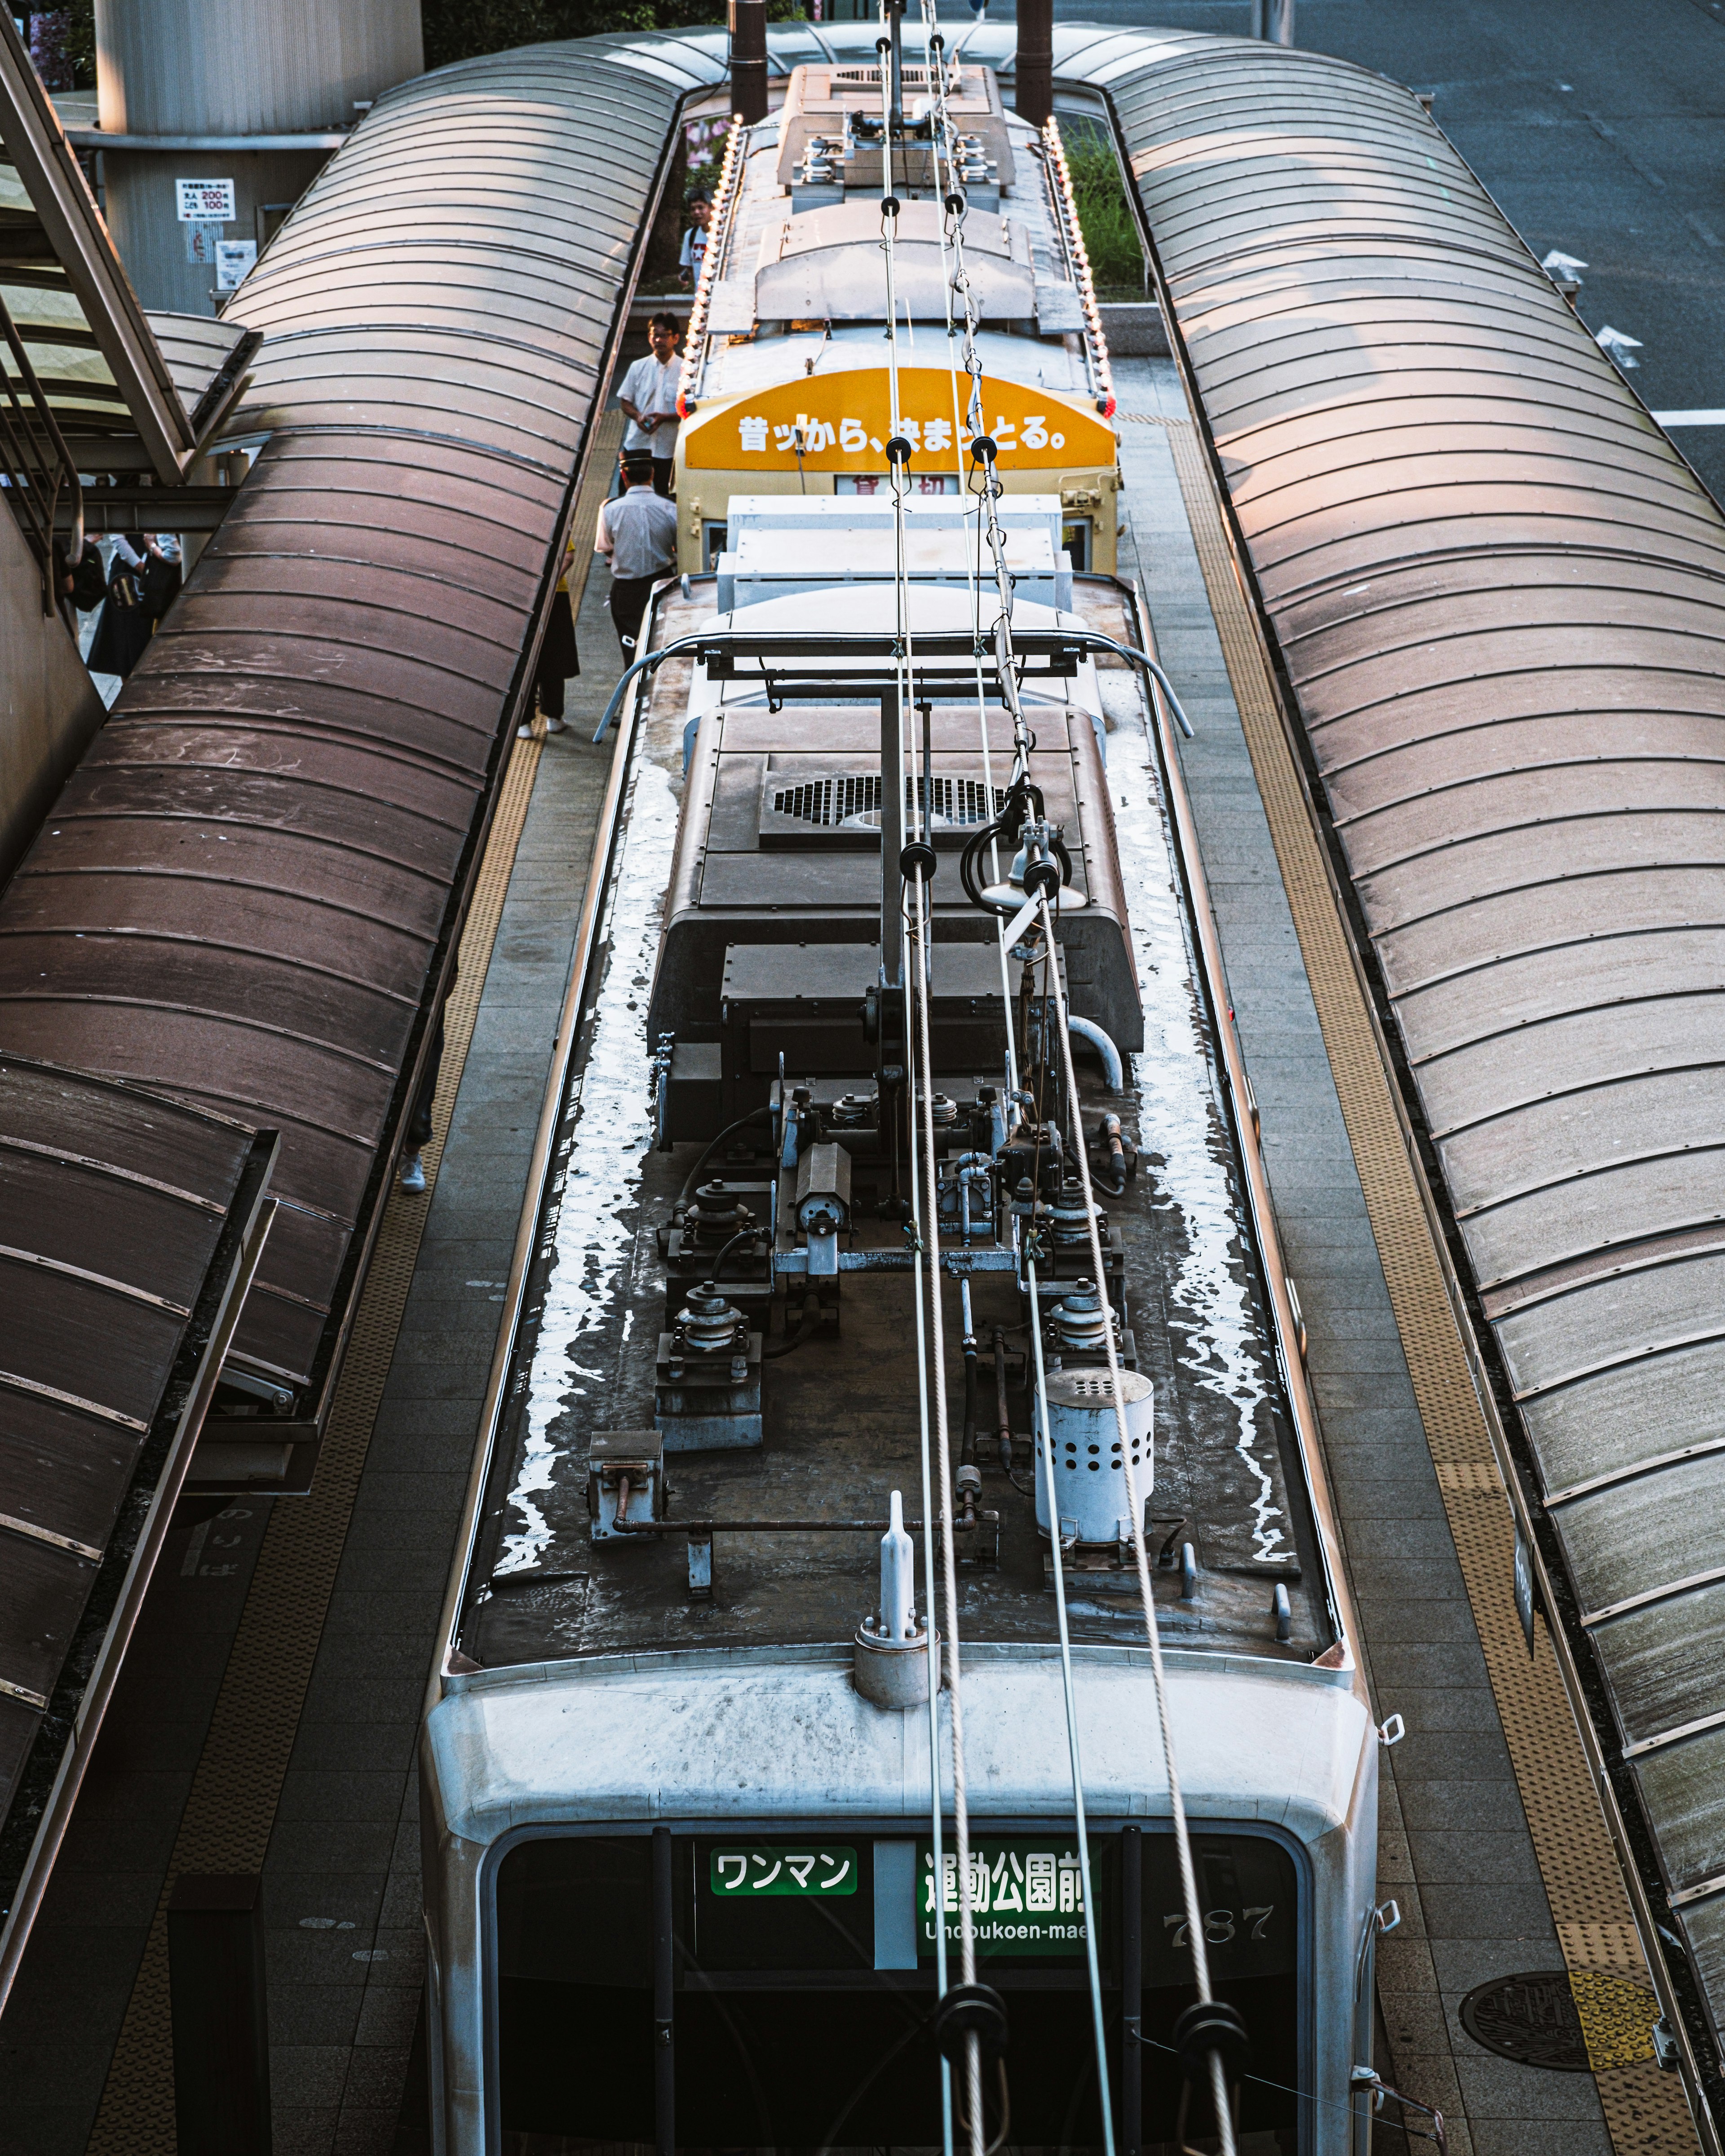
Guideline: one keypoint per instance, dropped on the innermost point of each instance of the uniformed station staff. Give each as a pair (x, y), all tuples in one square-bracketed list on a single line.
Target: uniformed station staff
[(638, 536)]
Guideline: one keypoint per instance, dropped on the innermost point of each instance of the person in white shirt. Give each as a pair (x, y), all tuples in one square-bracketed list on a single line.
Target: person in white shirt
[(649, 395), (694, 240), (638, 536)]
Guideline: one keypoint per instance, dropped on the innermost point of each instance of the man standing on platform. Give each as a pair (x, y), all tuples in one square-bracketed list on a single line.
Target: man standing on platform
[(638, 536), (649, 395)]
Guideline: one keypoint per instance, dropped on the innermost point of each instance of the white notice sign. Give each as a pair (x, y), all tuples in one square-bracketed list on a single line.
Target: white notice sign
[(234, 259), (205, 202)]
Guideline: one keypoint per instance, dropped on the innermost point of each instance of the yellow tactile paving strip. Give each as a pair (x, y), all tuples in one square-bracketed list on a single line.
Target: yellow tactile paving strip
[(1645, 2113), (231, 1810)]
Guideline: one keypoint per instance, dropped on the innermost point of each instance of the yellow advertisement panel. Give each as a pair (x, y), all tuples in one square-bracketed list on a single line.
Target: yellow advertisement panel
[(841, 423)]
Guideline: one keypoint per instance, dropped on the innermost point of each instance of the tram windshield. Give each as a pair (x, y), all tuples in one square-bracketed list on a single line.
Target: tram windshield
[(804, 1985)]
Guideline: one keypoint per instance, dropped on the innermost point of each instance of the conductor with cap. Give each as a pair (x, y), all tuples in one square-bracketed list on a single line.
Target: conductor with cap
[(638, 536)]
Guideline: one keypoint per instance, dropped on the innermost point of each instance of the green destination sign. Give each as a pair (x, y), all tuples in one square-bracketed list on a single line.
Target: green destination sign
[(1026, 1896), (744, 1872)]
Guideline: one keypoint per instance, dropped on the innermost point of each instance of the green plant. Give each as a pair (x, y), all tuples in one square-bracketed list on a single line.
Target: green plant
[(1105, 216)]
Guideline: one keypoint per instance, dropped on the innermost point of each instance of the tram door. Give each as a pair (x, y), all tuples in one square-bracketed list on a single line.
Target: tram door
[(804, 1990)]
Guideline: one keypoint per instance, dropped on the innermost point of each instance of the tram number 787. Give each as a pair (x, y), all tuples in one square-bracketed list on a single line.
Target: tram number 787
[(1218, 1925)]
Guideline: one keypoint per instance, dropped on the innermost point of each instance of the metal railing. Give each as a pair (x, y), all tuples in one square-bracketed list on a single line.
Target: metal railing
[(36, 467)]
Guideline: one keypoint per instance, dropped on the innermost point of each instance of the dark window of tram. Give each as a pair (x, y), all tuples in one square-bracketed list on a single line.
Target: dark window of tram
[(787, 2033), (1075, 537)]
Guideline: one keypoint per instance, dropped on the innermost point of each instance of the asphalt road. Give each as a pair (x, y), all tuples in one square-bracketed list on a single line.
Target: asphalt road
[(1599, 127)]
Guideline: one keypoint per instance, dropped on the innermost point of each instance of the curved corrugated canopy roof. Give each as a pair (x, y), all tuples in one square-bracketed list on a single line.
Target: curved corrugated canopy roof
[(1499, 597), (121, 1220), (242, 897)]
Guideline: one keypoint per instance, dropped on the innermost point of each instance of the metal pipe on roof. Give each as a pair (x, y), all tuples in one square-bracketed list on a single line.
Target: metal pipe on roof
[(749, 58), (98, 138)]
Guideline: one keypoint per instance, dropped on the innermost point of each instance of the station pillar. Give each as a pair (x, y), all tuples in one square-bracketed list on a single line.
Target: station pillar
[(1034, 69), (749, 58)]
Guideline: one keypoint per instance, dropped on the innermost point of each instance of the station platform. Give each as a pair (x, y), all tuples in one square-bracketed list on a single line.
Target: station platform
[(266, 1718)]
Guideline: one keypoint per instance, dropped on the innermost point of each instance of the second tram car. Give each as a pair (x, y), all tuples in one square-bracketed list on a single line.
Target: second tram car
[(783, 384)]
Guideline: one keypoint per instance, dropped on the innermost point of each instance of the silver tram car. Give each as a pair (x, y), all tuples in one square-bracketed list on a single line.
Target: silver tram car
[(825, 1178)]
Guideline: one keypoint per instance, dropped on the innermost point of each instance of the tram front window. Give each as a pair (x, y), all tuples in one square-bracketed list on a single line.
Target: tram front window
[(804, 1987)]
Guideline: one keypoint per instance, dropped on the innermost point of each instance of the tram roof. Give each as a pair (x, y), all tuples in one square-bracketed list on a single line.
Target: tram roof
[(1491, 582)]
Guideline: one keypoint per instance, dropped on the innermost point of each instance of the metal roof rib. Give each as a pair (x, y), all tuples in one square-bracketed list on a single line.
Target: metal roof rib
[(122, 1219)]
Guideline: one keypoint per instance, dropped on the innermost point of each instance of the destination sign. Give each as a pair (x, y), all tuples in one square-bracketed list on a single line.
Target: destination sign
[(744, 1873), (842, 423), (1026, 1896)]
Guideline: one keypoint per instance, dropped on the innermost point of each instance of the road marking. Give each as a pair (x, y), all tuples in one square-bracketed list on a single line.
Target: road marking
[(1563, 265), (1691, 419), (1616, 345)]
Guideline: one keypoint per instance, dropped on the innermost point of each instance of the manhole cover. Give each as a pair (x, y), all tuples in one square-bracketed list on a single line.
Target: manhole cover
[(1531, 2019), (1588, 2019)]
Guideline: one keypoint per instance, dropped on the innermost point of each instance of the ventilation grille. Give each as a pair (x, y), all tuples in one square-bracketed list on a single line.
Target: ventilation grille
[(852, 800), (912, 77)]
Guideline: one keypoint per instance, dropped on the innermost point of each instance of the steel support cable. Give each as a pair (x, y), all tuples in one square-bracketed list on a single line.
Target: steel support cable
[(937, 77), (937, 1896), (923, 1246), (931, 1599), (953, 233), (934, 58), (928, 1226), (1177, 1802), (923, 1046)]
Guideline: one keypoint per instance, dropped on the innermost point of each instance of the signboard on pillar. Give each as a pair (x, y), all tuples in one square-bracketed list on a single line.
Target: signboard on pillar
[(205, 202)]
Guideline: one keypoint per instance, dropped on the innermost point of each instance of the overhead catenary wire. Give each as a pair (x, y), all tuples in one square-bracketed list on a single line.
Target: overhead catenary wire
[(918, 982), (1177, 1803), (986, 505), (983, 454)]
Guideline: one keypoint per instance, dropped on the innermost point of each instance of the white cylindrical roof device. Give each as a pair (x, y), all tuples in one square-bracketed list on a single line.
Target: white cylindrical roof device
[(1084, 1434)]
